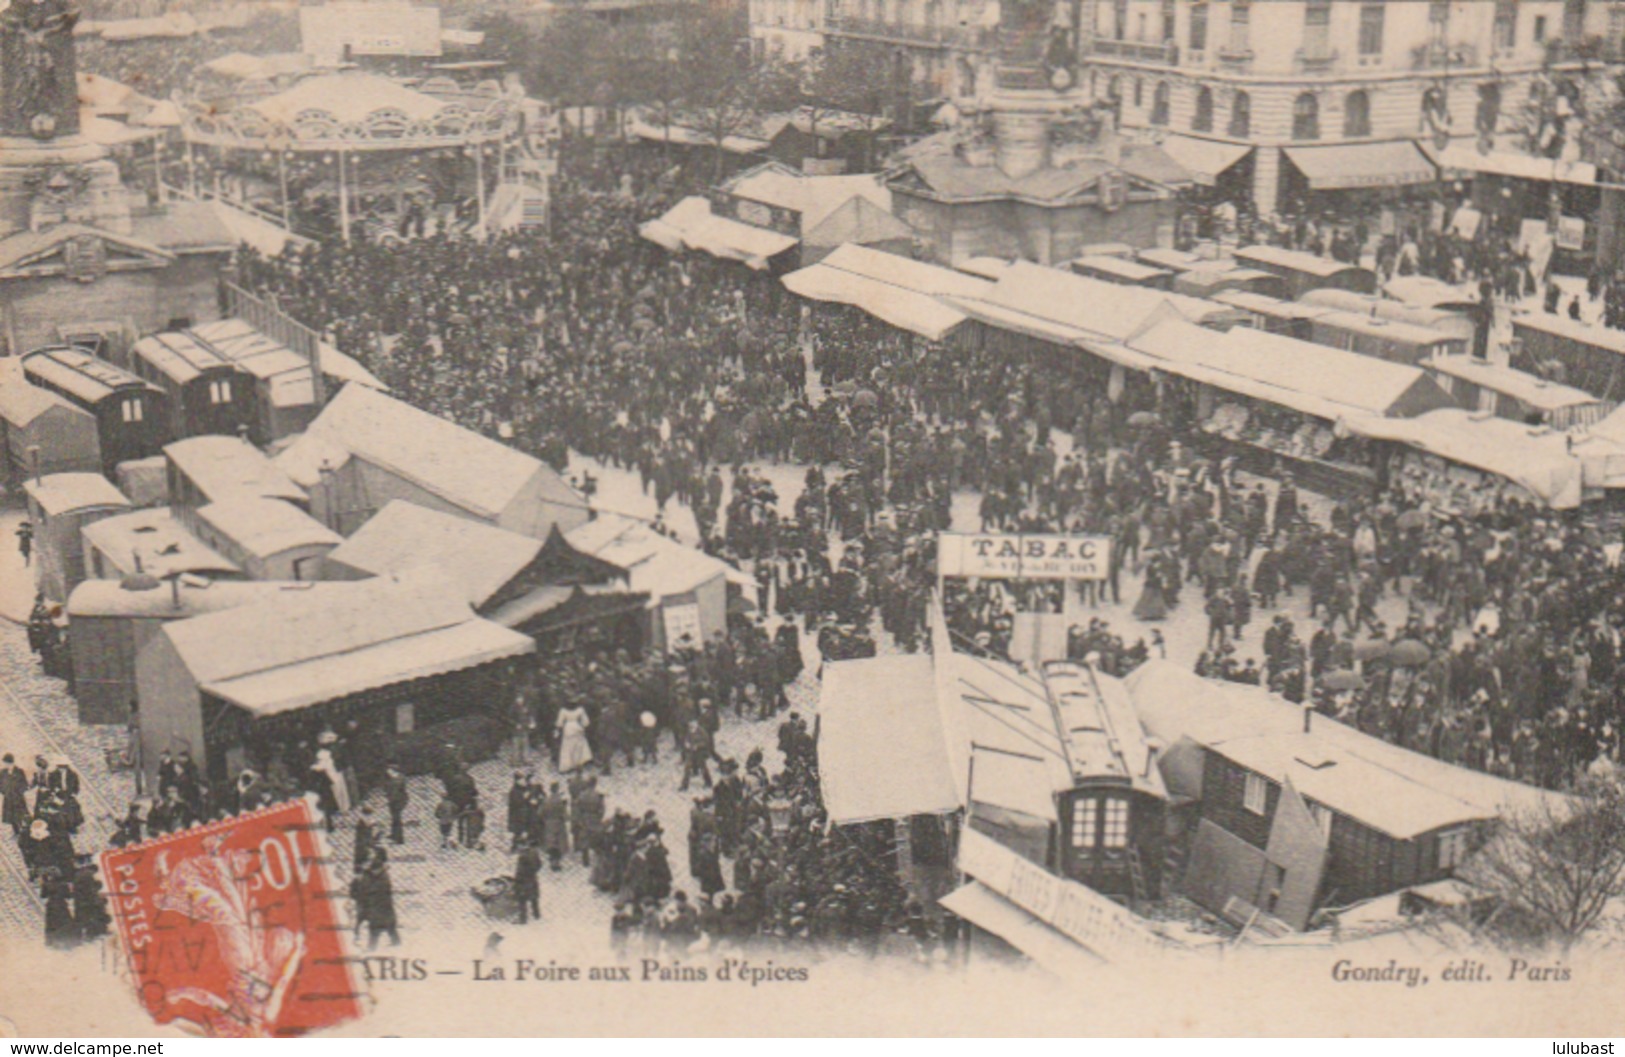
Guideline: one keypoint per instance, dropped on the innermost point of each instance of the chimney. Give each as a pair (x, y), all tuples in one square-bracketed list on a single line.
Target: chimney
[(1308, 717)]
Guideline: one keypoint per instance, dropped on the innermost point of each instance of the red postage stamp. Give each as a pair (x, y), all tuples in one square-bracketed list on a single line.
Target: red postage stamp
[(231, 927)]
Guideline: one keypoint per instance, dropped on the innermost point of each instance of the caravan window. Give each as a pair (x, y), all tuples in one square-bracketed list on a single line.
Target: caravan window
[(1083, 822), (1452, 848), (1114, 830), (1253, 794)]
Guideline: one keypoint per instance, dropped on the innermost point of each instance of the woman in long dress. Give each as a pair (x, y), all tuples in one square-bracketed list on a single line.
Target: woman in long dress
[(574, 752), (1151, 605)]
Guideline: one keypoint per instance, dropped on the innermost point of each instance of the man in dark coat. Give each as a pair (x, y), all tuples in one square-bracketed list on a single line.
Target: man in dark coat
[(374, 897), (586, 818), (527, 885), (555, 820), (698, 749), (366, 836), (396, 796), (518, 810), (13, 794)]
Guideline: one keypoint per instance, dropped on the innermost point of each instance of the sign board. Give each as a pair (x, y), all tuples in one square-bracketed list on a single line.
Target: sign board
[(1571, 233), (679, 619), (1081, 913), (1004, 557)]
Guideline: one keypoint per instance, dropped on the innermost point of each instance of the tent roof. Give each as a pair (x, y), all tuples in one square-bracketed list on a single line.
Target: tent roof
[(158, 540), (64, 493), (1354, 165), (1536, 459), (1109, 310), (231, 468), (480, 558), (1507, 163), (900, 291), (865, 776), (1596, 334), (458, 465), (858, 221), (1204, 159), (1394, 790), (21, 402), (1294, 260), (690, 224), (653, 563), (1315, 379), (267, 527), (1530, 389), (814, 197)]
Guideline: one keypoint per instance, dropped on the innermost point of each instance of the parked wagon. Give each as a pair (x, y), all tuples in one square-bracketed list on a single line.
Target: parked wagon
[(1386, 339), (132, 415), (43, 433), (1586, 356), (1124, 271), (207, 393), (1305, 271), (1219, 278), (1447, 320), (1291, 318), (285, 398), (1172, 260)]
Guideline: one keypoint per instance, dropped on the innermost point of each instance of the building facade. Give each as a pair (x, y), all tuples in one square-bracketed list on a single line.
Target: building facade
[(1270, 96)]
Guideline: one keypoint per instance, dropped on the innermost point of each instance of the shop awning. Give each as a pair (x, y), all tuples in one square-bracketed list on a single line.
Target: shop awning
[(435, 652), (1459, 161), (1204, 159), (903, 309), (1537, 460), (690, 224), (991, 912), (1362, 165)]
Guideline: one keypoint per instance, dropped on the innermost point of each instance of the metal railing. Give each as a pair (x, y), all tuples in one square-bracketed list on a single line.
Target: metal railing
[(1165, 54), (908, 32)]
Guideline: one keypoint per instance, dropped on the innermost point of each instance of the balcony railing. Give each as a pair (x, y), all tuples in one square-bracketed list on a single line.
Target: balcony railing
[(1443, 56), (1235, 59), (1166, 54), (1316, 60), (909, 33)]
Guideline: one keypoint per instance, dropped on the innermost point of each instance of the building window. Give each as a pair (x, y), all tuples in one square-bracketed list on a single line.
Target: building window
[(1317, 29), (1241, 115), (1540, 29), (1083, 822), (1202, 119), (1167, 21), (1160, 104), (1438, 20), (1452, 848), (1252, 796), (1114, 827), (1141, 33), (1120, 19), (1371, 18), (1306, 117), (1139, 92), (1241, 19), (1574, 19), (1199, 26), (1357, 114), (1506, 24), (220, 391), (133, 410), (1323, 818)]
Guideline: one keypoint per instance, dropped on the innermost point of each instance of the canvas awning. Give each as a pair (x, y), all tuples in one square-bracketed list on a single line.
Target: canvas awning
[(1462, 161), (903, 309), (1352, 165), (1204, 159), (690, 224), (436, 652), (880, 741), (991, 912)]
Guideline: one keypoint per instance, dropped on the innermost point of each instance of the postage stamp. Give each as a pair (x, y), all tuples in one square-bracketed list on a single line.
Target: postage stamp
[(230, 928)]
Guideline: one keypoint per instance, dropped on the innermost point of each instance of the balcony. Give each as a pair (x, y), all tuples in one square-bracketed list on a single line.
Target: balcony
[(1235, 60), (1315, 60), (1166, 54), (910, 33), (1437, 56)]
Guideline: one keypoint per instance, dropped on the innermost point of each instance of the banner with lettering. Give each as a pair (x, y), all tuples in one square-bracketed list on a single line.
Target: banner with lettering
[(997, 556)]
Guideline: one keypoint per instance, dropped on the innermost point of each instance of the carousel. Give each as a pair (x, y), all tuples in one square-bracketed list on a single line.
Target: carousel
[(352, 145)]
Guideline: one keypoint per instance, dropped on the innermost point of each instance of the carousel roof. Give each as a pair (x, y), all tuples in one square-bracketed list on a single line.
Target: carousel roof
[(349, 97)]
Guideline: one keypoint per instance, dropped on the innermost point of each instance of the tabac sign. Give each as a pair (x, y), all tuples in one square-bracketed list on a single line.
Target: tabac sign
[(1005, 557)]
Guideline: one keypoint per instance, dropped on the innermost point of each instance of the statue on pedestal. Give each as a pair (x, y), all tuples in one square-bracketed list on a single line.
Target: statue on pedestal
[(39, 94)]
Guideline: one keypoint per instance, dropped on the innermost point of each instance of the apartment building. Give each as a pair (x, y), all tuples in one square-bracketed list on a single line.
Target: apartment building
[(1294, 96)]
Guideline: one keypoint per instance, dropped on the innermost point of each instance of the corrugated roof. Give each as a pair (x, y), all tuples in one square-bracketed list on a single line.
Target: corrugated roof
[(62, 493), (402, 536), (231, 468), (456, 464), (1399, 792), (266, 527)]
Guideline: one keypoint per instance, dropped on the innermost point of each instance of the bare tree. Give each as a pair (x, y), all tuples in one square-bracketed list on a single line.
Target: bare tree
[(1556, 868)]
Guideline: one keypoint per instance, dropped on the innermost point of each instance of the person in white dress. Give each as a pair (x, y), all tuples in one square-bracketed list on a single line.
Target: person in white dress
[(574, 752)]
